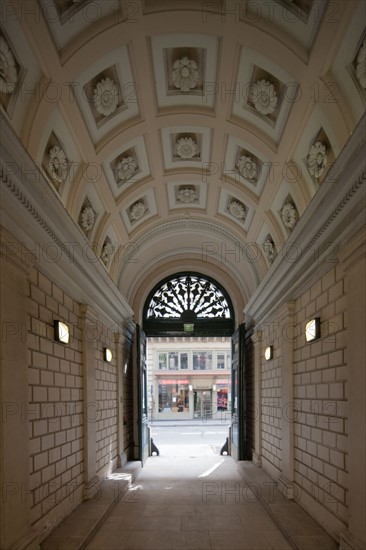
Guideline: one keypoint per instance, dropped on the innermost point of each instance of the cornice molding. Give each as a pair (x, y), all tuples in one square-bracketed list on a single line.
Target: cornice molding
[(335, 214), (36, 218)]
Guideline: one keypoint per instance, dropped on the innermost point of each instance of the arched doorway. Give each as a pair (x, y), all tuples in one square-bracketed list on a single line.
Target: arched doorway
[(186, 306)]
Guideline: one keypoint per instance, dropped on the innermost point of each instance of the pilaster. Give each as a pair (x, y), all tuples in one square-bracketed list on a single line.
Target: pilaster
[(15, 524), (90, 338), (287, 323), (119, 341), (257, 342), (353, 262)]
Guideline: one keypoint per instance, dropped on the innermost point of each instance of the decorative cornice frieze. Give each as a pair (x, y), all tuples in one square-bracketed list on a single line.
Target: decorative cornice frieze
[(27, 196), (34, 213)]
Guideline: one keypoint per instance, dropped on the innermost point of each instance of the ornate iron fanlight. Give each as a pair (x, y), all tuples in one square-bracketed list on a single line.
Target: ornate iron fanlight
[(188, 303)]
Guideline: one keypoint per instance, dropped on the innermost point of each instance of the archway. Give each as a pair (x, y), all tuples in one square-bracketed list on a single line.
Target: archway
[(191, 379)]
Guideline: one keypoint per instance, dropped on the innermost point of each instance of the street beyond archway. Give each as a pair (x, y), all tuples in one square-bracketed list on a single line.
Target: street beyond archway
[(195, 439)]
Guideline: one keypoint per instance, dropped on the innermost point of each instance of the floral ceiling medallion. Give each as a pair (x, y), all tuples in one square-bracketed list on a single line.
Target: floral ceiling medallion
[(107, 251), (186, 148), (187, 195), (126, 168), (137, 210), (317, 159), (289, 215), (237, 209), (87, 218), (105, 96), (185, 74), (264, 97), (8, 70), (361, 65), (58, 164), (269, 249), (247, 167)]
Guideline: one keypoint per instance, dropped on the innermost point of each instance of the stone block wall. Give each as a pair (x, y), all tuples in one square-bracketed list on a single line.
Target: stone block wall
[(55, 409), (321, 399)]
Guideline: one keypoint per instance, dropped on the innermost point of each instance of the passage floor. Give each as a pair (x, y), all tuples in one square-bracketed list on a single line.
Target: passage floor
[(206, 502)]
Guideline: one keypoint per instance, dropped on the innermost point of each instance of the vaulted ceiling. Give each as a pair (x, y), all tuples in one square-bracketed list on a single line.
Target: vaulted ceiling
[(181, 134)]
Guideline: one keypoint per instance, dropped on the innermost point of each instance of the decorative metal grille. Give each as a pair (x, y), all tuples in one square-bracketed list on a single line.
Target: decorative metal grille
[(188, 293)]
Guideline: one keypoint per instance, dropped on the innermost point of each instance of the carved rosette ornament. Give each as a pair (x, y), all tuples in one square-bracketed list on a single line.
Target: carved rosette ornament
[(361, 65), (105, 96), (186, 148), (264, 97), (269, 249), (289, 215), (87, 218), (137, 210), (58, 164), (187, 195), (247, 167), (317, 159), (126, 168), (237, 209), (107, 251), (8, 70), (185, 74)]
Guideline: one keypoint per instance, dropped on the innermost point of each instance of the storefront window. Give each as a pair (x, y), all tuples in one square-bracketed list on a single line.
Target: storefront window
[(173, 397), (222, 401)]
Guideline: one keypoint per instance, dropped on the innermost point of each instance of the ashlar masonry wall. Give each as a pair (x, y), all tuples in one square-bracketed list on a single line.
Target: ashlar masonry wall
[(304, 416), (55, 412), (321, 396), (74, 435)]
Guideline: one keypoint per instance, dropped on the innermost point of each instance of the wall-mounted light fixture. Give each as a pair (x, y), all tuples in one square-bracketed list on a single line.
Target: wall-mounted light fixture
[(268, 353), (107, 355), (188, 327), (190, 387), (61, 332), (214, 387), (312, 329)]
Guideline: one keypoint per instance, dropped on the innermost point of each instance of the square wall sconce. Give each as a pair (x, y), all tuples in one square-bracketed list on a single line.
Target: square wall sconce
[(188, 327), (268, 353), (214, 387), (190, 387), (312, 329), (61, 332), (107, 355)]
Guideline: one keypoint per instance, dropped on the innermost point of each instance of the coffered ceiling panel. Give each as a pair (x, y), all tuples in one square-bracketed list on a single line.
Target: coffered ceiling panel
[(68, 18), (127, 165), (186, 147), (106, 93), (299, 19), (245, 165), (265, 93), (184, 65), (195, 134)]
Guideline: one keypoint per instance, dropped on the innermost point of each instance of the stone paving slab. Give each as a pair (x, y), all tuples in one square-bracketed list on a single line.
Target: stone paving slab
[(76, 530)]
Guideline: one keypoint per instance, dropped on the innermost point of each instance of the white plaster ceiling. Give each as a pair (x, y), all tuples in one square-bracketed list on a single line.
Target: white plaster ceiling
[(175, 131)]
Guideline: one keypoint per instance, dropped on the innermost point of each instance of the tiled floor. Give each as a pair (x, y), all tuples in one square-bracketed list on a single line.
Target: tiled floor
[(206, 503)]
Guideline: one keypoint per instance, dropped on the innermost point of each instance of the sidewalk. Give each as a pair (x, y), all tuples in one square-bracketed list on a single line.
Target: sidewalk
[(199, 422)]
